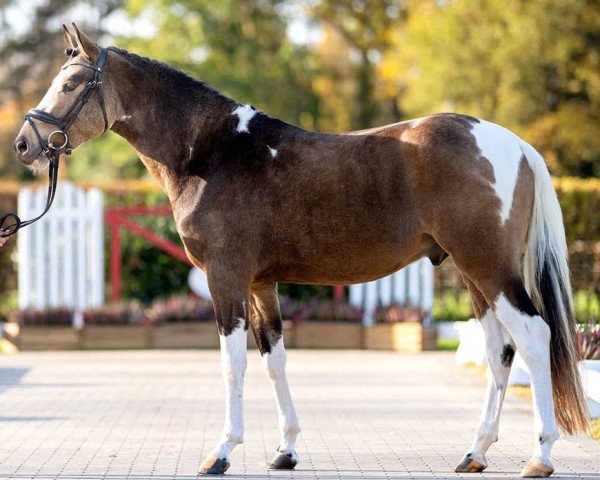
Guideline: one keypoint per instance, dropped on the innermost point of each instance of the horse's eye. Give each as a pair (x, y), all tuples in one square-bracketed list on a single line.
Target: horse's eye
[(69, 86)]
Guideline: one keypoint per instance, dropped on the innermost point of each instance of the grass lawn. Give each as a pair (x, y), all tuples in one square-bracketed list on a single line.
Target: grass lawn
[(447, 344)]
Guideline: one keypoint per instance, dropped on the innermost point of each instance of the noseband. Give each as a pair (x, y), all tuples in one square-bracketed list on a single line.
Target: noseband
[(52, 150)]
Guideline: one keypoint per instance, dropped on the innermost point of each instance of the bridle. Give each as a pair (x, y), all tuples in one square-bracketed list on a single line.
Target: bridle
[(49, 148)]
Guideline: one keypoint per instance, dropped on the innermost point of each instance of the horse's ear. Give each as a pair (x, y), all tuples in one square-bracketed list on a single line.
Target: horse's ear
[(70, 39), (87, 46)]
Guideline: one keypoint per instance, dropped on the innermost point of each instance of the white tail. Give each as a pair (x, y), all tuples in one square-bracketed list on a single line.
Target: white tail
[(547, 280)]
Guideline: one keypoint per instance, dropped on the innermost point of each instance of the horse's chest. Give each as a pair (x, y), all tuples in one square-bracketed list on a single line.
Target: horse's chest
[(210, 230)]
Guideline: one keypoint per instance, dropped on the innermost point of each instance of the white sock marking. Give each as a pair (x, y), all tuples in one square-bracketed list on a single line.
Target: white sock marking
[(532, 337), (502, 149), (289, 426), (245, 113), (233, 365)]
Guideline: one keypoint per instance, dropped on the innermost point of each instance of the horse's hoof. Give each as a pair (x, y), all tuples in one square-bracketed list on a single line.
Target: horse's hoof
[(537, 469), (283, 461), (213, 466), (471, 464)]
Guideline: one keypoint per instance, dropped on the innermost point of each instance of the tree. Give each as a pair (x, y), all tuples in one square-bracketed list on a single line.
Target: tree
[(357, 33), (530, 66), (239, 47)]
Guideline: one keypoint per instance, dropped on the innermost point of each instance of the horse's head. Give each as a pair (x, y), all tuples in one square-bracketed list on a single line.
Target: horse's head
[(77, 107)]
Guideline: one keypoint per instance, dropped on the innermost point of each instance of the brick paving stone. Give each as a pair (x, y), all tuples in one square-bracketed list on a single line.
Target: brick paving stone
[(154, 414)]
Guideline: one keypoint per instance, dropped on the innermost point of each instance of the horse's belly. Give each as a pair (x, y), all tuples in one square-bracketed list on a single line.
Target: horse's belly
[(348, 264)]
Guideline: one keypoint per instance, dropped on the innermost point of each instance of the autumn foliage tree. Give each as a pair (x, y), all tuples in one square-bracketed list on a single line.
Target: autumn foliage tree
[(533, 67)]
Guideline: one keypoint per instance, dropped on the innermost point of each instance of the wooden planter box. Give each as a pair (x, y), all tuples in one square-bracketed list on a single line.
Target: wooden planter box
[(112, 337), (401, 337), (324, 334), (46, 337), (186, 335)]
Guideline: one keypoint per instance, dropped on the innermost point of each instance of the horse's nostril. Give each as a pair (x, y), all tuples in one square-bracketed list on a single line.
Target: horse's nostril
[(21, 145)]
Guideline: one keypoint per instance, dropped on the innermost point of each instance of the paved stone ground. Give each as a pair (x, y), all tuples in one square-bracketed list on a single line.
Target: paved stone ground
[(154, 414)]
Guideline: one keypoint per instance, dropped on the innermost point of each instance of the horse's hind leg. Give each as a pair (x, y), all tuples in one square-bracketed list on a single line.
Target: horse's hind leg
[(518, 316), (531, 333), (266, 326), (500, 352), (230, 300)]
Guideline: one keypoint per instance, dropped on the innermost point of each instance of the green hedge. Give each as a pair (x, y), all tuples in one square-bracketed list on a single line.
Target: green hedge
[(580, 201), (8, 269)]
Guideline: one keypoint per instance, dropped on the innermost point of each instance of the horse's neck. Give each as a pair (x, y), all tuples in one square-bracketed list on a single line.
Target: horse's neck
[(169, 129)]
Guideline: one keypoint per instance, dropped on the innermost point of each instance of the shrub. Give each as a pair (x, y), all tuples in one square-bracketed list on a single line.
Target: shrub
[(398, 313), (32, 317), (452, 306), (8, 268), (292, 309), (334, 311), (118, 313), (589, 341), (580, 202), (180, 309), (318, 309)]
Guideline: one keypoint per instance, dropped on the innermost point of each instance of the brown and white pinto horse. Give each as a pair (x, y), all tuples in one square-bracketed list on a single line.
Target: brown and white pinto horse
[(258, 201)]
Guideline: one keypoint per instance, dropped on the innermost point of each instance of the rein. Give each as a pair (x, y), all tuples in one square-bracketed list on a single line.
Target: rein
[(49, 148)]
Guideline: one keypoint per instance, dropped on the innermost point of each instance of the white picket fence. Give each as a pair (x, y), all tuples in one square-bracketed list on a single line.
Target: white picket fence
[(61, 257), (411, 286)]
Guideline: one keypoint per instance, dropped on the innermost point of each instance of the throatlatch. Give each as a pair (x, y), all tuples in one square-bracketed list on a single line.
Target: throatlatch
[(52, 150)]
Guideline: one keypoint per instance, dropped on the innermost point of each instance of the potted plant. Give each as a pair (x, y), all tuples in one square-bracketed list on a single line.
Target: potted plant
[(400, 328), (589, 342), (328, 324), (183, 322), (50, 329), (116, 325)]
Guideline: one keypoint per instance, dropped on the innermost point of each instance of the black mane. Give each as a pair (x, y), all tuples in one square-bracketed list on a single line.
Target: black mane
[(168, 75)]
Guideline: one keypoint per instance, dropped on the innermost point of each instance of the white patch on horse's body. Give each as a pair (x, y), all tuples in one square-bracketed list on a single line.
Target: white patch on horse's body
[(233, 365), (274, 363), (418, 121), (272, 151), (502, 149), (124, 118), (245, 113), (191, 153), (532, 338)]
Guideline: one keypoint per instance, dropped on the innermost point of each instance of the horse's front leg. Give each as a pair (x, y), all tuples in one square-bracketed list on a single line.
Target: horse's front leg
[(267, 329), (230, 300)]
